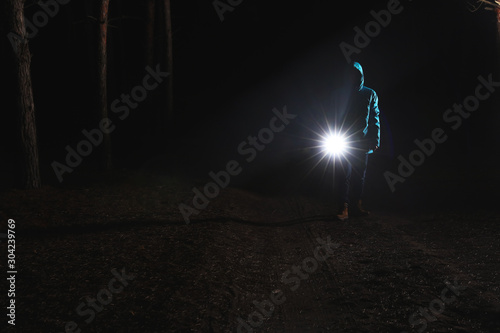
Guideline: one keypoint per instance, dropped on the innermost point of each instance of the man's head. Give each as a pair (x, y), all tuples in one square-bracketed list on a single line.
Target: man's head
[(355, 76)]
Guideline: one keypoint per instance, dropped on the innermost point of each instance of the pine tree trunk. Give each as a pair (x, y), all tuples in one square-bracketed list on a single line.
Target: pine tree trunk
[(170, 87), (102, 78), (498, 37), (26, 107)]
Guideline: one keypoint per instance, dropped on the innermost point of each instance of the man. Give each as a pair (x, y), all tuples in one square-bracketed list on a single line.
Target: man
[(361, 124)]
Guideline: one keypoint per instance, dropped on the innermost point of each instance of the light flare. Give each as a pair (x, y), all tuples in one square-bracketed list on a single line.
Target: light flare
[(334, 144)]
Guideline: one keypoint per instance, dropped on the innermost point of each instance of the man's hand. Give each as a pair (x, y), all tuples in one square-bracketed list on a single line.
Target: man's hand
[(369, 145), (373, 146)]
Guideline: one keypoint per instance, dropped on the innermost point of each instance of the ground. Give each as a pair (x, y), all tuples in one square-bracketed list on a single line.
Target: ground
[(221, 272)]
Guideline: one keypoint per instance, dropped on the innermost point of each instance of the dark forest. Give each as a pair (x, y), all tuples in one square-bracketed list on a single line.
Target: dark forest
[(215, 166)]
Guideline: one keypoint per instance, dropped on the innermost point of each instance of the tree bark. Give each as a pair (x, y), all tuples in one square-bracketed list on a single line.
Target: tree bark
[(170, 66), (102, 78), (25, 104), (498, 37)]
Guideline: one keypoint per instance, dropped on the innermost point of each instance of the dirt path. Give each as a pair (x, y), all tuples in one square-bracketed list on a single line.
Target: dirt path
[(230, 275)]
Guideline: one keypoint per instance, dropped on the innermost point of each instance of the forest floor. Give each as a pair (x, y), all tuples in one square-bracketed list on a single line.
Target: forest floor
[(247, 263)]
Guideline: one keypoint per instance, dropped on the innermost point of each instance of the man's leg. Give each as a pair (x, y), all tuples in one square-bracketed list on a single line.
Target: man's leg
[(343, 214), (360, 163), (347, 182)]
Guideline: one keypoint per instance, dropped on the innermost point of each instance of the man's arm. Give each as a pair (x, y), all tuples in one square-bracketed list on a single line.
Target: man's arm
[(374, 122)]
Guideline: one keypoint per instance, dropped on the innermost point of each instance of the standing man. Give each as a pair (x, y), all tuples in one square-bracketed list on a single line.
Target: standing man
[(361, 125)]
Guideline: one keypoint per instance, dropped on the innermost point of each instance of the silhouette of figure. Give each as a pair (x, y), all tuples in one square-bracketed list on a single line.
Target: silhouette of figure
[(361, 124)]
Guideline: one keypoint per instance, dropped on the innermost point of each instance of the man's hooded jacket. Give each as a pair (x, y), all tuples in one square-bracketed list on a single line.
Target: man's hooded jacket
[(361, 120)]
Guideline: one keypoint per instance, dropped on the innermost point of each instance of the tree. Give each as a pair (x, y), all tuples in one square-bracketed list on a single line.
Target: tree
[(25, 105), (161, 26), (170, 66), (497, 9), (102, 78)]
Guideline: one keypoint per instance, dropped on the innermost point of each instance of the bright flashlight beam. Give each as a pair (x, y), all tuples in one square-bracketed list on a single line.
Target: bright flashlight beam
[(334, 144)]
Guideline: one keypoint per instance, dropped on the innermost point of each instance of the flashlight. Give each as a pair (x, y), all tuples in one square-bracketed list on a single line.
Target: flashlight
[(334, 144)]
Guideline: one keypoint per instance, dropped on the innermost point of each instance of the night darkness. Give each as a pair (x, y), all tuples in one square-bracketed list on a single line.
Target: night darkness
[(217, 238)]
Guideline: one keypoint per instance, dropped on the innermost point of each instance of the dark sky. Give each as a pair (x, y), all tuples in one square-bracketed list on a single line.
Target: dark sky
[(229, 75)]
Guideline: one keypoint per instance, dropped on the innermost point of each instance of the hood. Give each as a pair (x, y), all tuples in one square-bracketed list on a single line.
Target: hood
[(358, 78)]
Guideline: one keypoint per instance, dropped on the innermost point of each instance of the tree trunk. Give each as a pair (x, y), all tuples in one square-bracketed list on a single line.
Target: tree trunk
[(26, 107), (150, 31), (170, 89), (498, 37), (102, 78)]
